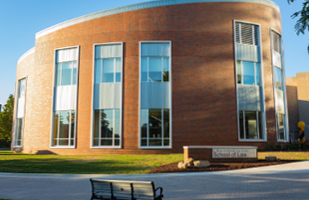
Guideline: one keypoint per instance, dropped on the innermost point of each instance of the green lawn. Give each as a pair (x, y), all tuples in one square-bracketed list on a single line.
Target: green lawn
[(99, 164), (295, 155)]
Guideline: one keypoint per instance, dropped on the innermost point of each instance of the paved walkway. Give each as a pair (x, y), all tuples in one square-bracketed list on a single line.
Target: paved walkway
[(287, 181)]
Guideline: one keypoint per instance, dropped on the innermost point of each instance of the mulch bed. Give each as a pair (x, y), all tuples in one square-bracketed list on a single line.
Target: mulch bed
[(217, 166)]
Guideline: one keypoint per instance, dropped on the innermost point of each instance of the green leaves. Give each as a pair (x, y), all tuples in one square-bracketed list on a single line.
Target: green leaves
[(302, 23), (6, 119)]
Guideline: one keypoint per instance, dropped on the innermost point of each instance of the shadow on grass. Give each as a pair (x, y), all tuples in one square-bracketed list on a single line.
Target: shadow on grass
[(54, 165)]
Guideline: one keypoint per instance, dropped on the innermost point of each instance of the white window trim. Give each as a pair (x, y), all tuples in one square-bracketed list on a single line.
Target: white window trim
[(16, 111), (53, 99), (92, 99), (170, 100), (263, 110), (286, 127)]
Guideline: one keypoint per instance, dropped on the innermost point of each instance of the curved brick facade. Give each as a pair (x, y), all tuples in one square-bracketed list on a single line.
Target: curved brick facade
[(204, 100)]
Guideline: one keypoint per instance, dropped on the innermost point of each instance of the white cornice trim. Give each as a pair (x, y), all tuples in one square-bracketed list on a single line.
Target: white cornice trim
[(29, 52), (140, 6)]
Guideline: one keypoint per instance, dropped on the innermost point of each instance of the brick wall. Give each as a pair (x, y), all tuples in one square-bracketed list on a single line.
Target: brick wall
[(203, 78)]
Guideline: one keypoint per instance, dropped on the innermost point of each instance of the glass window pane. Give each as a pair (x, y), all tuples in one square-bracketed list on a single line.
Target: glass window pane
[(144, 69), (278, 78), (19, 131), (144, 142), (239, 72), (63, 142), (166, 121), (96, 131), (166, 64), (108, 70), (22, 88), (107, 123), (144, 122), (260, 126), (72, 124), (106, 142), (56, 125), (58, 75), (166, 142), (248, 73), (66, 73), (98, 73), (280, 125), (117, 142), (251, 125), (155, 123), (258, 72), (241, 125), (64, 124), (74, 72), (155, 142), (117, 123), (118, 69), (155, 69)]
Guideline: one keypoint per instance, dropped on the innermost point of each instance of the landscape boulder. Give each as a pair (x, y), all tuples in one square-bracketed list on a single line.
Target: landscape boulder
[(182, 165), (201, 163)]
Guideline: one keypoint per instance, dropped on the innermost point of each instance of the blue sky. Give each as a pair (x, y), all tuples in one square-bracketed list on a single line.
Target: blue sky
[(21, 19)]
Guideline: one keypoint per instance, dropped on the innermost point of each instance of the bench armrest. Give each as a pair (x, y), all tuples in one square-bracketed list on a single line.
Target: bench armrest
[(161, 190)]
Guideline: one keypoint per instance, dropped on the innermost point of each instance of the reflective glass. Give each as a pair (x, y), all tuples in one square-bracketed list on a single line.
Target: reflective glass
[(56, 117), (260, 126), (248, 73), (64, 127), (63, 142), (241, 125), (117, 142), (98, 70), (280, 126), (72, 123), (117, 123), (95, 142), (19, 128), (258, 71), (144, 142), (144, 122), (58, 76), (108, 70), (155, 142), (66, 73), (96, 131), (239, 72), (166, 69), (166, 121), (106, 142), (251, 125), (155, 123), (278, 78), (74, 73), (22, 88), (118, 69), (144, 69), (155, 69), (107, 123)]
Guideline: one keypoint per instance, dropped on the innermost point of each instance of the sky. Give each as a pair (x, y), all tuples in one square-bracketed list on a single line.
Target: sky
[(20, 20)]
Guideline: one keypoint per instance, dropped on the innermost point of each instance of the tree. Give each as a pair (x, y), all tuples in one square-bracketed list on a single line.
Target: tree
[(6, 120), (302, 23)]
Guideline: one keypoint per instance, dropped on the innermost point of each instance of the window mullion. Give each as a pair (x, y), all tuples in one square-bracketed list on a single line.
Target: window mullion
[(147, 127), (58, 128), (100, 113), (257, 124), (162, 127)]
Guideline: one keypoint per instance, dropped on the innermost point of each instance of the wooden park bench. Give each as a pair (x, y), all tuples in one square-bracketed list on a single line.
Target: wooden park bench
[(116, 189)]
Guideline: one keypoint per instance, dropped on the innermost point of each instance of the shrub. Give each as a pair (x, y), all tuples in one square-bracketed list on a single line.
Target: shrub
[(271, 147), (278, 147), (288, 147)]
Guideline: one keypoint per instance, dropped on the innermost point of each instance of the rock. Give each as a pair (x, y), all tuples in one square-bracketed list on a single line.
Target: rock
[(182, 165), (190, 161), (270, 158), (201, 163)]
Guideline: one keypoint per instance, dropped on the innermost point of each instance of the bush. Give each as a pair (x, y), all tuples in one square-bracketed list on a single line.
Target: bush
[(5, 144), (289, 147), (278, 147), (271, 147), (295, 146)]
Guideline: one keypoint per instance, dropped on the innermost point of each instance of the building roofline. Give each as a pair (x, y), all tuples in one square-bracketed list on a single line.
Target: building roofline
[(29, 52), (139, 6)]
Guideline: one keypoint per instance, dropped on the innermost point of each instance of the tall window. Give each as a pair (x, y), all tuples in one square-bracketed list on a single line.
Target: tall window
[(64, 110), (155, 115), (107, 96), (250, 124), (247, 33), (21, 94), (278, 85)]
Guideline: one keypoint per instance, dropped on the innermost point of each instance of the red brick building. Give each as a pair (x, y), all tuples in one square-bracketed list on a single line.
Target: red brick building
[(152, 78)]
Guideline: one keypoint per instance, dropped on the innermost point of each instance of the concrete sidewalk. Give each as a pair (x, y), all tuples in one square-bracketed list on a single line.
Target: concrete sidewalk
[(287, 181)]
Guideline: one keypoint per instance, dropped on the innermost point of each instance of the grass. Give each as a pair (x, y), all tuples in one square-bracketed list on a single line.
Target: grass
[(88, 164), (285, 155), (103, 164)]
